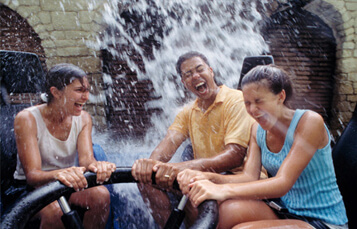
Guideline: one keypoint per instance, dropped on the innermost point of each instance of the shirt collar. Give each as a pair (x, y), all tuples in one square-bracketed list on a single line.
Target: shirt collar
[(221, 95)]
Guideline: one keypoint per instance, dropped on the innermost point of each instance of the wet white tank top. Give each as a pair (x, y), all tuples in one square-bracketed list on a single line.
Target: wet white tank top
[(55, 153)]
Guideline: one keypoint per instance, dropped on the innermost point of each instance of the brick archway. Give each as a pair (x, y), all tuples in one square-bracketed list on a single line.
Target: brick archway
[(304, 46), (18, 35)]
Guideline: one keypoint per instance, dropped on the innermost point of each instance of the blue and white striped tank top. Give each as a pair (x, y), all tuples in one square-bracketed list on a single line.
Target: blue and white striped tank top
[(315, 193)]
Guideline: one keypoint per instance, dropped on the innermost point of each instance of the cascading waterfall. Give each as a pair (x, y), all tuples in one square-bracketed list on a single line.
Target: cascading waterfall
[(225, 31)]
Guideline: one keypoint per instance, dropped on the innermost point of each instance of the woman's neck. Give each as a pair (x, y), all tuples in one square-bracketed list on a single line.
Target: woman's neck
[(283, 122), (54, 113)]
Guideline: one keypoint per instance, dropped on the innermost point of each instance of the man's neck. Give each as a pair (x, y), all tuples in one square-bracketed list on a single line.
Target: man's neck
[(206, 103)]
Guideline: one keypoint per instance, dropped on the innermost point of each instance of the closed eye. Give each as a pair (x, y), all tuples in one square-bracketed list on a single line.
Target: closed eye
[(187, 74), (82, 89), (200, 69)]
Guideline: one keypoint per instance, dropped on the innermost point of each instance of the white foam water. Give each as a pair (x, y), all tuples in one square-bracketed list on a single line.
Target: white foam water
[(224, 31)]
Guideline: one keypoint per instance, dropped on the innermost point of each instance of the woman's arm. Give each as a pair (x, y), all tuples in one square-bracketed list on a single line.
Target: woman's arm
[(231, 157), (310, 135), (26, 140), (86, 158), (84, 142), (251, 171)]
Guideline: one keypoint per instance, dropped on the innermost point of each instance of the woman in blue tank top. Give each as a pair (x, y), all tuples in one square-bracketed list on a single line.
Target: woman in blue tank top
[(294, 147)]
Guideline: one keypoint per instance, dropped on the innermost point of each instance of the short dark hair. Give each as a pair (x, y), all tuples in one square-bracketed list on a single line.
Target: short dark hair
[(187, 56), (272, 76), (61, 75)]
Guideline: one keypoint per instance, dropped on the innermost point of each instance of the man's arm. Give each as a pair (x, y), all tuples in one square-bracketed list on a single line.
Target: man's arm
[(231, 157), (168, 146), (142, 169), (251, 171)]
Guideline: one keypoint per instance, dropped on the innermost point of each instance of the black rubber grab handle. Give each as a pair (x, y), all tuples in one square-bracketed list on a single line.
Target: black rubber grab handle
[(25, 208)]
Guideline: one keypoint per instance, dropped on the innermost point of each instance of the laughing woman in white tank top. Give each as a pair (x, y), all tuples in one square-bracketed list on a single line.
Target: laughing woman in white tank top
[(51, 136)]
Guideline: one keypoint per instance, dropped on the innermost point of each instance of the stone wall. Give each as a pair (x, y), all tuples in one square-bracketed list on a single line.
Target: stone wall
[(65, 28), (303, 45), (341, 16)]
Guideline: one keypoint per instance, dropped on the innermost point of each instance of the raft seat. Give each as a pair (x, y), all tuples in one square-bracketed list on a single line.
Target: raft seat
[(344, 155), (22, 79)]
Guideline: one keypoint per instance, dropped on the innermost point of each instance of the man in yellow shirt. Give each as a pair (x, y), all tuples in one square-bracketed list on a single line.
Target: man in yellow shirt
[(217, 124)]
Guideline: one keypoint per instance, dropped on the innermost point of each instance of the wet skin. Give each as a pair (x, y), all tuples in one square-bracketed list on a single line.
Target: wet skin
[(198, 77), (58, 115)]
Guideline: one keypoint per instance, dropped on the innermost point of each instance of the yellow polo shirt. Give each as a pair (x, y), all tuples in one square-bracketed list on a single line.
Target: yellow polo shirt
[(225, 121)]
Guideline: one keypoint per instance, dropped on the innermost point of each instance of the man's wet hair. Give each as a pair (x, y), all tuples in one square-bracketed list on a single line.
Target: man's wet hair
[(273, 77), (187, 56)]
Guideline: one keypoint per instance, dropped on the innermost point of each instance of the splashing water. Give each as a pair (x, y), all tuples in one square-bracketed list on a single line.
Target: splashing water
[(224, 31)]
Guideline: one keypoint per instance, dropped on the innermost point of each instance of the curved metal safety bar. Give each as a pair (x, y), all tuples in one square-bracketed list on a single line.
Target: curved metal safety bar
[(25, 208)]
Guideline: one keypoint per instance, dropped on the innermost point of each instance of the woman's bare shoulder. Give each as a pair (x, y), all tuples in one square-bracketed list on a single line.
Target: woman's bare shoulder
[(312, 127), (86, 117), (25, 122), (24, 115), (312, 117)]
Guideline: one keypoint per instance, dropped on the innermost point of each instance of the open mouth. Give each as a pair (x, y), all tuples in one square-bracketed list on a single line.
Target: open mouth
[(263, 119), (201, 87), (79, 104), (260, 117)]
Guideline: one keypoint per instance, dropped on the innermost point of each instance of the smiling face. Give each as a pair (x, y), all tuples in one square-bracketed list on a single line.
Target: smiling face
[(263, 105), (74, 96), (198, 77)]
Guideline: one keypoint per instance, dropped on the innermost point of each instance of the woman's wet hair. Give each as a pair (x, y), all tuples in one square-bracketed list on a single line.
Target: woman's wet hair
[(60, 76), (271, 76), (187, 56)]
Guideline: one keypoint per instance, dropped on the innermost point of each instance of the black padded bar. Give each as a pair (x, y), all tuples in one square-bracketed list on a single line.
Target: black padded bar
[(25, 208)]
